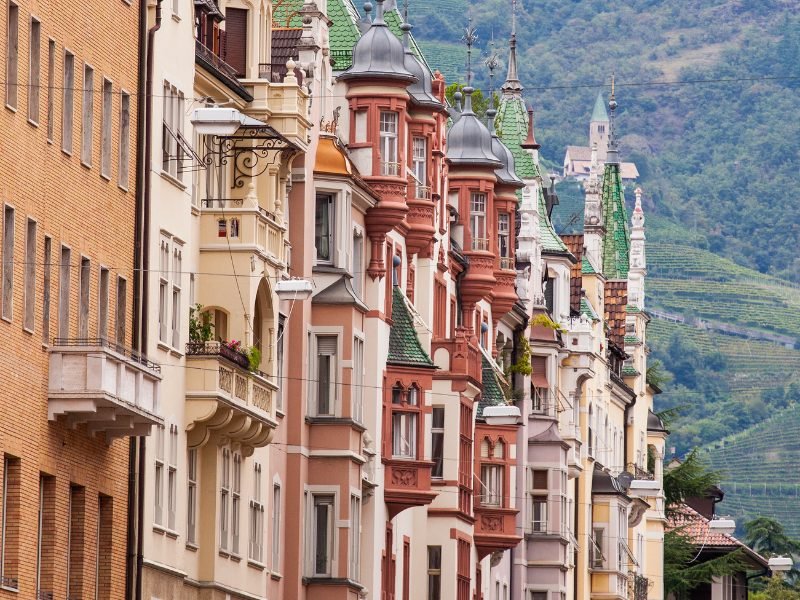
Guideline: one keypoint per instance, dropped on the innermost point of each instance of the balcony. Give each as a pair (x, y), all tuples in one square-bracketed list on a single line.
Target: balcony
[(458, 359), (495, 529), (638, 586), (225, 399), (644, 482), (240, 225), (390, 169), (480, 244), (275, 72), (212, 62), (507, 264), (108, 388), (407, 483)]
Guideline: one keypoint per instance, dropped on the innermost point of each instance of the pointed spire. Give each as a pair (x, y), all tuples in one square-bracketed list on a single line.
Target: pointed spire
[(512, 85), (469, 38), (612, 156), (530, 142), (599, 111)]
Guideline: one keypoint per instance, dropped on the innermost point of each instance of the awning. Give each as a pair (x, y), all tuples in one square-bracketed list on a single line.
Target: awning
[(539, 372)]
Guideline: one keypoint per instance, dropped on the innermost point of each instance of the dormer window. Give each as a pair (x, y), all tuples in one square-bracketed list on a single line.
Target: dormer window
[(388, 137), (477, 210), (405, 421)]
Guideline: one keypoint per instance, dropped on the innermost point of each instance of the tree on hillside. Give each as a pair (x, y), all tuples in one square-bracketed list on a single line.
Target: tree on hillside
[(776, 590), (766, 536), (480, 103), (682, 571)]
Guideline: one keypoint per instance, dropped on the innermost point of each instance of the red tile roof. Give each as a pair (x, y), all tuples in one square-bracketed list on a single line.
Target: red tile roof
[(574, 243), (616, 299)]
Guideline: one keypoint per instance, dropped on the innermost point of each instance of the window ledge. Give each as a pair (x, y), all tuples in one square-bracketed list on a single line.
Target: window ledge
[(105, 176), (28, 330), (86, 165), (256, 565), (276, 576), (235, 558), (224, 553), (123, 187), (12, 109), (67, 152), (171, 534), (159, 529), (280, 412), (191, 547), (173, 180), (6, 319), (176, 353), (33, 123), (5, 588), (176, 18)]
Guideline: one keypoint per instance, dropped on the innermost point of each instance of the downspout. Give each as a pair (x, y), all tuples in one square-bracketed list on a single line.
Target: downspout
[(146, 197), (131, 544)]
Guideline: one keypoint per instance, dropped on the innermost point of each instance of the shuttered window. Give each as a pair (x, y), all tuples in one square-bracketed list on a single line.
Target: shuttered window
[(236, 39)]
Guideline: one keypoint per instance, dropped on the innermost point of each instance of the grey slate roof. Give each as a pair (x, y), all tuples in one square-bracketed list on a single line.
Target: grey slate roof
[(469, 142)]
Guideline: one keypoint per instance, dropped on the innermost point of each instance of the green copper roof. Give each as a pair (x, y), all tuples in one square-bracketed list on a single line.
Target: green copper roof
[(631, 340), (286, 14), (586, 267), (404, 346), (588, 310), (599, 113), (511, 124), (616, 240), (632, 308), (629, 371), (492, 394), (343, 33)]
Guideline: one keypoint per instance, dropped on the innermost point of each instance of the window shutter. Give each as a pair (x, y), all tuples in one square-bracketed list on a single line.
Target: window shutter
[(326, 345), (236, 39)]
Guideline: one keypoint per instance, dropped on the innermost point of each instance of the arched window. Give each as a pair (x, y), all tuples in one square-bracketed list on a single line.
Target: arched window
[(492, 472)]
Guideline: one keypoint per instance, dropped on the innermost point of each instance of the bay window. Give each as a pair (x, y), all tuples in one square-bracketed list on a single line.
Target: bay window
[(405, 421), (477, 211), (504, 240), (437, 442), (388, 140), (492, 472), (326, 374)]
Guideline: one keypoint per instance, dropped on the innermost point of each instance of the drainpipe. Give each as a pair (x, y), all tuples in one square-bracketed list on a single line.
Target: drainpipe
[(145, 195), (130, 554)]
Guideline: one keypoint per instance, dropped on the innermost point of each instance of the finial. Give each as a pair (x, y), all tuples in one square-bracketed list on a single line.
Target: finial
[(457, 97), (612, 103), (379, 12), (470, 37), (491, 62), (512, 87), (468, 100), (612, 154), (367, 10), (490, 115), (514, 19), (530, 142), (406, 27)]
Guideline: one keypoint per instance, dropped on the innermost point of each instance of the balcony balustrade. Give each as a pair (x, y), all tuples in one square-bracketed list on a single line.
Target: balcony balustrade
[(480, 244), (110, 389), (275, 72), (495, 529), (230, 225), (224, 398), (390, 169), (507, 263)]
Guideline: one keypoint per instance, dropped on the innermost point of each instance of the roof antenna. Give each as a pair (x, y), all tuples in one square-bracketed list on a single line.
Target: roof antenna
[(469, 38)]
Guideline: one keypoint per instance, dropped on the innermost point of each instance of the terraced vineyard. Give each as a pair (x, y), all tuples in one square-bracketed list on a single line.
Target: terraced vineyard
[(760, 469)]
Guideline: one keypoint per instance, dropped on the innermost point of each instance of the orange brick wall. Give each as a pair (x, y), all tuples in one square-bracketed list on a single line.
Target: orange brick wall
[(74, 205)]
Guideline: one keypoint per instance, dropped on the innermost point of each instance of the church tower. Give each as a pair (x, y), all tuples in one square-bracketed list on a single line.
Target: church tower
[(599, 128)]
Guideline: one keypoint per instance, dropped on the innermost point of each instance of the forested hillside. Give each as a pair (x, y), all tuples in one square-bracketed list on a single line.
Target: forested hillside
[(719, 162)]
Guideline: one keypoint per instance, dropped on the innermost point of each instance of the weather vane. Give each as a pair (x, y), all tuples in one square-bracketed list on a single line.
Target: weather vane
[(492, 62), (470, 37)]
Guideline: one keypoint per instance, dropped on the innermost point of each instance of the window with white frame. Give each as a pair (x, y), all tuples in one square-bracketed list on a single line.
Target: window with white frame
[(163, 287), (172, 477), (324, 221), (65, 274), (322, 541), (7, 282), (34, 69), (256, 547), (325, 375), (224, 499), (276, 527), (30, 276), (12, 55), (355, 538), (191, 496), (538, 490), (419, 157), (405, 421), (177, 270), (596, 556), (357, 387), (105, 129), (236, 493), (388, 140), (492, 472), (504, 236), (477, 212), (437, 441), (68, 102), (87, 115), (172, 150), (158, 509)]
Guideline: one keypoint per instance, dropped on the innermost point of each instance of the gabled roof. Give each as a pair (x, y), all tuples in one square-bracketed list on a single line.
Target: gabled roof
[(616, 239), (492, 394), (404, 346)]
